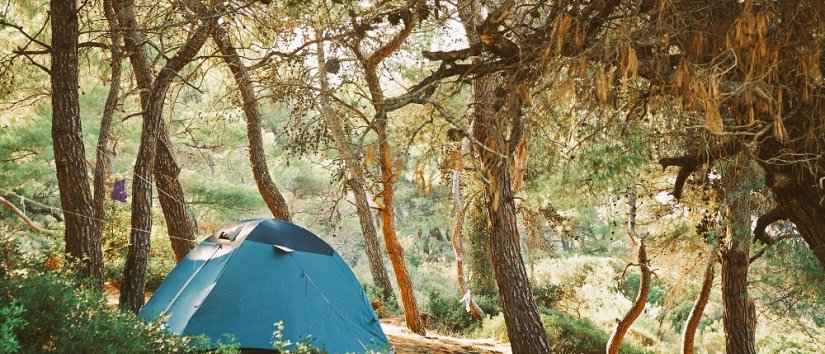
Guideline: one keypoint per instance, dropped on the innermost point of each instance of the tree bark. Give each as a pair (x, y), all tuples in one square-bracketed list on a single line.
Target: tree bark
[(394, 249), (180, 223), (133, 285), (82, 234), (459, 212), (692, 323), (257, 155), (458, 219), (623, 326), (482, 280), (802, 198), (356, 180), (395, 252), (103, 160), (524, 326), (492, 117), (739, 315)]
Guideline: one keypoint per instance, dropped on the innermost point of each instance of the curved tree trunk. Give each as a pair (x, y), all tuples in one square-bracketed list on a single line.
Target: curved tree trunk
[(179, 221), (355, 181), (689, 332), (804, 205), (257, 155), (394, 249), (132, 288), (616, 338), (739, 315), (103, 160), (82, 234), (395, 252)]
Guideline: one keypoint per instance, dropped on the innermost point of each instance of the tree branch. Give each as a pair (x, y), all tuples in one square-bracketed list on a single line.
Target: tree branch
[(766, 220), (25, 218)]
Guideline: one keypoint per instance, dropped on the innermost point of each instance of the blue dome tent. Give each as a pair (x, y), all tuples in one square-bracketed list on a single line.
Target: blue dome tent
[(248, 277)]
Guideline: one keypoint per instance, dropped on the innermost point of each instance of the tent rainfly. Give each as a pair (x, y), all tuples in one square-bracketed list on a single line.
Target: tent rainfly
[(245, 279)]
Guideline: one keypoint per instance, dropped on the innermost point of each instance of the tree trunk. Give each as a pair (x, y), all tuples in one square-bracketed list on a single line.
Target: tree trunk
[(355, 181), (739, 315), (103, 161), (459, 212), (82, 234), (458, 217), (179, 221), (257, 155), (395, 252), (482, 279), (623, 326), (631, 219), (524, 326), (394, 249), (804, 205), (692, 323), (133, 285), (491, 115)]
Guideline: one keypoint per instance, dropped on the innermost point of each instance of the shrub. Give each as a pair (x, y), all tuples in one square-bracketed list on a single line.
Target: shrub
[(10, 321), (448, 315), (384, 308), (549, 294), (629, 287), (567, 335), (54, 314)]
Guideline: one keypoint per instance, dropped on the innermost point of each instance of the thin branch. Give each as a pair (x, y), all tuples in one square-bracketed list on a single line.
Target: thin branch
[(25, 218)]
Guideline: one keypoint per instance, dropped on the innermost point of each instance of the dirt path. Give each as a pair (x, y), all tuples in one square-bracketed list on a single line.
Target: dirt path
[(406, 342)]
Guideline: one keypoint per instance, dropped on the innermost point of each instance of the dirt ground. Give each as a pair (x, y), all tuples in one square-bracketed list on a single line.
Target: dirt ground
[(406, 342)]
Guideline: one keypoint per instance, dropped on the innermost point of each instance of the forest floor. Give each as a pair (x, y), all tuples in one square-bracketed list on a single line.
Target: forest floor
[(406, 342)]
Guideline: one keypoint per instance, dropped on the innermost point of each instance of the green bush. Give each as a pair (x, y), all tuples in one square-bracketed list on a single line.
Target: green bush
[(549, 294), (447, 314), (388, 308), (630, 288), (566, 334), (10, 321), (51, 313)]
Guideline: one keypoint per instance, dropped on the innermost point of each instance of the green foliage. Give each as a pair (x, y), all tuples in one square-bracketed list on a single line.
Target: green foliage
[(447, 314), (679, 316), (629, 287), (56, 314), (11, 320), (224, 197), (566, 334), (25, 152), (549, 294), (388, 307)]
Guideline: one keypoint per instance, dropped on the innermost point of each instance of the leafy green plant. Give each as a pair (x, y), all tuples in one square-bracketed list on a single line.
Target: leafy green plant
[(10, 321), (447, 314), (566, 334), (52, 313)]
